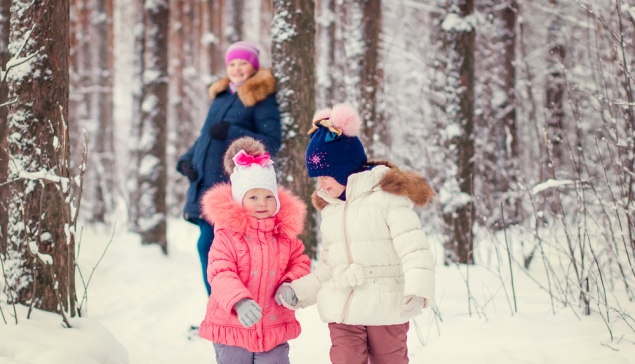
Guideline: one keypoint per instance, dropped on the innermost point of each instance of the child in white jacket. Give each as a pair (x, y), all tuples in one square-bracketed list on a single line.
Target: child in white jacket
[(376, 270)]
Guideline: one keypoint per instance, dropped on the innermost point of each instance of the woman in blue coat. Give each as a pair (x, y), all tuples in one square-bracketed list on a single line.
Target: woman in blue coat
[(243, 104)]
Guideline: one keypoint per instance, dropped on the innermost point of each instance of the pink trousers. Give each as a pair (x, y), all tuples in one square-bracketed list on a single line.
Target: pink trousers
[(351, 344)]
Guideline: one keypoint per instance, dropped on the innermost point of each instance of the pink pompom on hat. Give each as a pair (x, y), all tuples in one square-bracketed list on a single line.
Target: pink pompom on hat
[(243, 50)]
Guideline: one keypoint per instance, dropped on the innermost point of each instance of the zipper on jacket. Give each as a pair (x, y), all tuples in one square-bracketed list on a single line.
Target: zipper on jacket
[(349, 255)]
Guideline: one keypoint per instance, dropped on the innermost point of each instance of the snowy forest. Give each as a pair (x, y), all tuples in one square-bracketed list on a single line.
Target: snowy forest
[(520, 113)]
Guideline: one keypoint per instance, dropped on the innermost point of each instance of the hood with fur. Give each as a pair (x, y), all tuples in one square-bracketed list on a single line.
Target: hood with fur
[(219, 209), (396, 182), (255, 89)]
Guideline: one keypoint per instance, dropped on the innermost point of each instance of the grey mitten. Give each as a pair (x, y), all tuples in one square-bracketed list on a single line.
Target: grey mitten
[(249, 313), (286, 294)]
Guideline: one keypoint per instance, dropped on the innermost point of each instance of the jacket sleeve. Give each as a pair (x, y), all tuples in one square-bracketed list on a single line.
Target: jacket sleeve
[(222, 273), (268, 128), (413, 248), (307, 287), (299, 263)]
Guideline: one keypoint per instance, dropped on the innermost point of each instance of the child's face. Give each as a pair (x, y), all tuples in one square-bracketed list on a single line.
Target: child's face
[(239, 70), (260, 203), (332, 187)]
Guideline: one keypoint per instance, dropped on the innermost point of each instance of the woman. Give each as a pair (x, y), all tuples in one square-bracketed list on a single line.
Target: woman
[(243, 104)]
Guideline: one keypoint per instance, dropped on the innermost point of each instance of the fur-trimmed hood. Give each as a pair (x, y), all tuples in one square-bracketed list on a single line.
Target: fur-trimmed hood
[(255, 89), (219, 209), (396, 182)]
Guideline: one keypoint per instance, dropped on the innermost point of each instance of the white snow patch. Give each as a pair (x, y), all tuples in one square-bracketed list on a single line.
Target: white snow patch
[(550, 183), (453, 22), (43, 339)]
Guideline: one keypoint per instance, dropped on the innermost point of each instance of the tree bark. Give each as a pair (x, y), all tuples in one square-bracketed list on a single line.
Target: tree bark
[(4, 123), (101, 176), (555, 88), (39, 216), (237, 15), (498, 151), (149, 189), (132, 184), (153, 162), (293, 55), (375, 133), (458, 210)]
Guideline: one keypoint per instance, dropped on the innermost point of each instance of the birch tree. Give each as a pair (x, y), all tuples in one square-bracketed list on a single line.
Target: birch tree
[(293, 54), (39, 261)]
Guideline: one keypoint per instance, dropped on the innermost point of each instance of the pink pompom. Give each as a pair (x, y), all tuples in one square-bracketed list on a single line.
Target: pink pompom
[(322, 114), (345, 118)]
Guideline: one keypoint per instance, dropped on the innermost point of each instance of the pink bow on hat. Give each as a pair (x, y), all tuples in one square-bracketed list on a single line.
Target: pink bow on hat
[(245, 160)]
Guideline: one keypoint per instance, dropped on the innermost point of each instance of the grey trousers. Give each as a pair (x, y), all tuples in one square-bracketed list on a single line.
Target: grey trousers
[(226, 354)]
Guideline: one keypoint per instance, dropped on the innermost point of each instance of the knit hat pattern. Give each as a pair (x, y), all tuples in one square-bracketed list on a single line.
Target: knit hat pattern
[(251, 167), (335, 149), (243, 50)]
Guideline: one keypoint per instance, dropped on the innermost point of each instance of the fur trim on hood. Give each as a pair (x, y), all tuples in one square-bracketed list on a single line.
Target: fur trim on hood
[(219, 209), (396, 182), (255, 89)]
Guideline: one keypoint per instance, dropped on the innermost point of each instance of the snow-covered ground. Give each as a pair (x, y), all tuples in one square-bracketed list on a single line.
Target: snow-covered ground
[(148, 302)]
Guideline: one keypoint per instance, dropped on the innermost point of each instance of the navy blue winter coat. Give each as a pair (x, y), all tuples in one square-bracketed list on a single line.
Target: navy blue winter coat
[(251, 111)]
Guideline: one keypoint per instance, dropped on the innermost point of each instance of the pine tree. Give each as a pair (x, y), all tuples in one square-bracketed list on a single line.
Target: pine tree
[(375, 133), (148, 182), (40, 255), (101, 180), (4, 123), (498, 151), (456, 196), (293, 54)]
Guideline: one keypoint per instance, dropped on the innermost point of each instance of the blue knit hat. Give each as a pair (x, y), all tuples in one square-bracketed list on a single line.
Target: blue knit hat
[(334, 149)]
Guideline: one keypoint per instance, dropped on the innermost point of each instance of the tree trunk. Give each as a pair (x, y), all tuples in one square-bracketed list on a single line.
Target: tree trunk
[(555, 88), (4, 123), (216, 48), (42, 244), (375, 133), (153, 163), (237, 12), (133, 183), (148, 178), (498, 150), (185, 91), (102, 174), (458, 207), (293, 55)]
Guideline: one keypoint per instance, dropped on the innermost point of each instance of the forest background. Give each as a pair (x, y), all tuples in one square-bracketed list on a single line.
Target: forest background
[(519, 112)]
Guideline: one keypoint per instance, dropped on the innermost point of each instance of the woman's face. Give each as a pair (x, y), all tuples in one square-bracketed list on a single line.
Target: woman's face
[(239, 70), (332, 187)]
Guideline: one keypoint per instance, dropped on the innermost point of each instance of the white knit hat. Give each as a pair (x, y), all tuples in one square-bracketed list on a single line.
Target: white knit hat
[(253, 172)]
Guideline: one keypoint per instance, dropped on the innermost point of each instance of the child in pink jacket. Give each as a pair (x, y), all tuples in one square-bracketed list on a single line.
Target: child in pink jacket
[(255, 251)]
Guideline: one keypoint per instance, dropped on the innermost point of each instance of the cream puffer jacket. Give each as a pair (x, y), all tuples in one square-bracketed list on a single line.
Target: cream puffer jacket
[(374, 251)]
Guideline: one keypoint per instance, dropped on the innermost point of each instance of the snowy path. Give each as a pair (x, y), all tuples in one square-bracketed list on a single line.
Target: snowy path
[(149, 301)]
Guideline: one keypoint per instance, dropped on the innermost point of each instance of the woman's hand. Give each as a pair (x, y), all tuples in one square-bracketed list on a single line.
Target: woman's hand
[(219, 130), (188, 170)]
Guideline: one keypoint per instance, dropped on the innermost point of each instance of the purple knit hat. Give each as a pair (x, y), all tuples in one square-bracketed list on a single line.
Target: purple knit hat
[(243, 50)]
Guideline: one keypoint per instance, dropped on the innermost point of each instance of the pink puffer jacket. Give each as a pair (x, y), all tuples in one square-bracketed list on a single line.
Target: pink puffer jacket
[(251, 258)]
